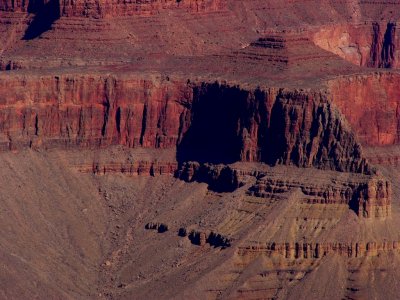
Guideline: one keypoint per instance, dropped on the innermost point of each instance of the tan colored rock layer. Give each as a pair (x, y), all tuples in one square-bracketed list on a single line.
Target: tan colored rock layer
[(303, 250), (131, 169), (370, 198)]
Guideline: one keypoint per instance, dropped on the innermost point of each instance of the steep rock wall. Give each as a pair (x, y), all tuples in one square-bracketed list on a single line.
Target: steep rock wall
[(90, 111), (371, 105), (276, 126), (107, 8), (30, 6), (374, 44), (206, 122)]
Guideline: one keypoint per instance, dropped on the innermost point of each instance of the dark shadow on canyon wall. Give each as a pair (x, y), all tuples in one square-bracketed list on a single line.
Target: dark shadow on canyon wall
[(45, 15), (389, 46), (383, 46), (214, 135), (228, 124)]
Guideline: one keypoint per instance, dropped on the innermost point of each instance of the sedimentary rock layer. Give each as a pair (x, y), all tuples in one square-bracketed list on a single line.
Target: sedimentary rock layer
[(371, 105), (92, 8), (372, 44), (369, 197), (207, 122), (105, 8), (304, 250)]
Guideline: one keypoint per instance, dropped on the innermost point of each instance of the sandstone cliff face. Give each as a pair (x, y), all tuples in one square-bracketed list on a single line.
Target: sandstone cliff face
[(91, 111), (30, 6), (371, 105), (108, 8), (368, 198), (303, 250), (383, 48), (373, 44), (9, 5), (206, 122)]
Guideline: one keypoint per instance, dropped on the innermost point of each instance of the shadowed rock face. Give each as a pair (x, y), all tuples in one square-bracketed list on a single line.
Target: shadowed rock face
[(45, 15), (273, 126), (383, 48)]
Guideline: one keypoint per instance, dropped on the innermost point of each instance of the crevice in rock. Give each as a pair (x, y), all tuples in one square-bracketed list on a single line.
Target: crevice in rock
[(118, 120), (144, 124)]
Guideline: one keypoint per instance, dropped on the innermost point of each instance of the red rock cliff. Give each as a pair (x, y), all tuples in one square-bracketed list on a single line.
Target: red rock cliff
[(374, 44), (371, 105), (106, 8), (206, 122)]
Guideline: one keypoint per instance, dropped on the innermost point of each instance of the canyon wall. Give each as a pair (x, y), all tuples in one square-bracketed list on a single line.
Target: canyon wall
[(373, 44), (367, 197), (384, 46), (90, 111), (108, 8), (276, 126), (304, 250), (30, 6), (371, 105), (207, 122)]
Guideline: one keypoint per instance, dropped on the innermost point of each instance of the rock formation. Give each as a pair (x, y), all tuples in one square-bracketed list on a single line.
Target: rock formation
[(370, 198), (319, 250), (97, 111), (260, 137), (101, 9), (372, 44)]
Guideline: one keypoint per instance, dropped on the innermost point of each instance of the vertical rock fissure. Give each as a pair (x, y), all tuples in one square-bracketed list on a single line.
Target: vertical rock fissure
[(144, 124), (388, 47), (118, 120), (36, 125), (383, 48)]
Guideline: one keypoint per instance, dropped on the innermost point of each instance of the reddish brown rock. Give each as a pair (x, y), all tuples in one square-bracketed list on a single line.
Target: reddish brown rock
[(90, 8), (370, 103), (272, 99), (276, 126), (372, 44), (106, 8)]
